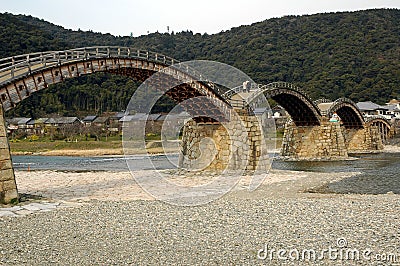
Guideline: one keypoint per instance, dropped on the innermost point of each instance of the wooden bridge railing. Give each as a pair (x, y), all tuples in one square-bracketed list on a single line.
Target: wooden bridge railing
[(20, 65)]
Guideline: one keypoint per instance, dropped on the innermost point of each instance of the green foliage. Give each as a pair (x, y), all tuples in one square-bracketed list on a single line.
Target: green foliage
[(14, 201), (331, 55), (33, 138)]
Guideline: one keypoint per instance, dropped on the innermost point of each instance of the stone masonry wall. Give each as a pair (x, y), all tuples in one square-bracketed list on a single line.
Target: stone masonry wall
[(8, 188), (361, 140), (238, 144), (316, 142), (328, 141)]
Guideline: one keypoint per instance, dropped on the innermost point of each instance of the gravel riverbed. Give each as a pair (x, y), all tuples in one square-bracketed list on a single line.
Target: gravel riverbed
[(233, 230)]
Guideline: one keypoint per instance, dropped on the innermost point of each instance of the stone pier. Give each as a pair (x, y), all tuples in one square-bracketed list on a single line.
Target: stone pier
[(235, 145), (362, 140), (330, 140), (8, 188), (314, 142)]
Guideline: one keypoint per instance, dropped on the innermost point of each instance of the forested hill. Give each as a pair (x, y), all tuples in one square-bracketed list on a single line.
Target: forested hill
[(351, 54)]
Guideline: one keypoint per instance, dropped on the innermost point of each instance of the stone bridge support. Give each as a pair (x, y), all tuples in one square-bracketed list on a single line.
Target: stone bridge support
[(322, 142), (363, 140), (235, 145), (8, 188), (392, 132)]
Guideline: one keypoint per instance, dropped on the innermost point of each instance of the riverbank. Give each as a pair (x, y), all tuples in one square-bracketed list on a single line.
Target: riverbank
[(117, 224), (63, 148), (84, 148), (110, 148), (391, 149)]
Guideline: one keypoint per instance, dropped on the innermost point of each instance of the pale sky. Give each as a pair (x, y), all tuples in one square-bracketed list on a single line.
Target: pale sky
[(123, 17)]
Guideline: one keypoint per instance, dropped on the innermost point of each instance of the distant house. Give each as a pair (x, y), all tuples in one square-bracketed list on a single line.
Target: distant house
[(41, 121), (133, 123), (154, 122), (101, 121), (370, 109), (129, 120), (114, 124), (19, 124), (30, 127), (132, 118), (88, 120), (394, 110), (60, 121), (12, 123), (39, 125), (63, 127), (117, 116)]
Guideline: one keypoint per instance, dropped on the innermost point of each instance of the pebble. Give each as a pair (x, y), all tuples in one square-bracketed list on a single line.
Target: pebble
[(229, 231)]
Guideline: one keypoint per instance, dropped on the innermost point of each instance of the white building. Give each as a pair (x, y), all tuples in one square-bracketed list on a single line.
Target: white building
[(369, 109)]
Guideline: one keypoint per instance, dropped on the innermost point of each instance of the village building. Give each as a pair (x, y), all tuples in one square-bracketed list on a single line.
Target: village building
[(369, 109), (88, 120), (101, 121), (394, 108)]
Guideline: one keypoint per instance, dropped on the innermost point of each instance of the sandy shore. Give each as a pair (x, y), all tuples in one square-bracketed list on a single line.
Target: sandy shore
[(152, 147), (86, 186)]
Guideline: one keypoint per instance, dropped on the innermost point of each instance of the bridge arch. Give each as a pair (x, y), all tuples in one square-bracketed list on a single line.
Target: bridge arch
[(303, 111), (22, 75), (348, 112), (385, 128)]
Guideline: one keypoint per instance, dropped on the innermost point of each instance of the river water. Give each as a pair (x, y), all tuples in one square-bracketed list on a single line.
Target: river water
[(380, 173)]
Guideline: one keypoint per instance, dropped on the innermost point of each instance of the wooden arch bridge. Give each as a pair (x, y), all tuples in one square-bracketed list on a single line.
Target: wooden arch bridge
[(310, 134)]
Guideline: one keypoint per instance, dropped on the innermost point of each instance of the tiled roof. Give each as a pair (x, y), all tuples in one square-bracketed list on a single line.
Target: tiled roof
[(135, 117), (370, 106), (101, 119), (89, 118), (18, 120), (62, 120), (393, 108), (41, 120), (118, 115)]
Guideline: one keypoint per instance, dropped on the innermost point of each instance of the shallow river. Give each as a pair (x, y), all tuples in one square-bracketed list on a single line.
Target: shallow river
[(380, 173)]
